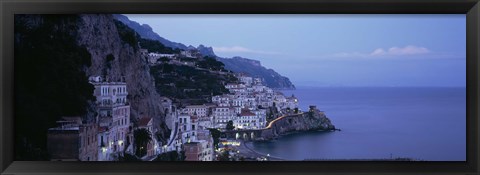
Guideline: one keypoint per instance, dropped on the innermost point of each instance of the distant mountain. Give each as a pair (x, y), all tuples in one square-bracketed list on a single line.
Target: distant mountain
[(145, 31), (207, 51), (254, 68), (235, 64)]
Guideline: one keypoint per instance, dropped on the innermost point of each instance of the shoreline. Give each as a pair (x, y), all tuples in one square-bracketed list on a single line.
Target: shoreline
[(248, 152)]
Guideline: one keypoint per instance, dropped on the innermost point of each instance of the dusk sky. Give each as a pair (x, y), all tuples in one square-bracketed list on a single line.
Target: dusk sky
[(333, 50)]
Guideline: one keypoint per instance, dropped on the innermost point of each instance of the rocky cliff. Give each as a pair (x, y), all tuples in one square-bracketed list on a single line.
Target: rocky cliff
[(100, 35), (253, 68), (145, 31), (314, 120), (111, 55)]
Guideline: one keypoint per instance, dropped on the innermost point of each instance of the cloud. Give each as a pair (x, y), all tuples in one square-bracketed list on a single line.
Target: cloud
[(407, 50), (239, 49)]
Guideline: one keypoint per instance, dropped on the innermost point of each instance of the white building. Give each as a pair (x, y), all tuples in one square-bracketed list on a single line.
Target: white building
[(218, 99), (248, 120), (114, 114), (154, 57), (261, 115), (186, 53), (198, 110), (221, 115), (257, 81), (248, 81), (291, 102)]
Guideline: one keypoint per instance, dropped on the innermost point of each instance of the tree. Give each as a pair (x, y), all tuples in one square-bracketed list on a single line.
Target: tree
[(141, 138), (171, 156), (230, 126), (216, 136), (164, 60)]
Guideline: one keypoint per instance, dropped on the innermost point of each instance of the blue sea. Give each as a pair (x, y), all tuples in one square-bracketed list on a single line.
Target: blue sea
[(377, 123)]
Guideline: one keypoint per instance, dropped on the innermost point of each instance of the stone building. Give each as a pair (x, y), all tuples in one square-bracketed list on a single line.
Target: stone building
[(72, 140)]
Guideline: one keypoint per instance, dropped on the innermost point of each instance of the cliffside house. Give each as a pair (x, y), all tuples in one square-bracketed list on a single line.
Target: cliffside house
[(113, 113)]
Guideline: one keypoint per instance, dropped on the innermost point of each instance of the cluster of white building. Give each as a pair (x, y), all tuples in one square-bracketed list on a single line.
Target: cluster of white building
[(111, 133), (246, 106), (247, 103)]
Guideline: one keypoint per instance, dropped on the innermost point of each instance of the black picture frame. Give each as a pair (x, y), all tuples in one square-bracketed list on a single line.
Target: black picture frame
[(10, 7)]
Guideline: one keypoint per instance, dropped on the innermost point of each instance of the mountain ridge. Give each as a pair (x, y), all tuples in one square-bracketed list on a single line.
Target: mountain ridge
[(249, 66)]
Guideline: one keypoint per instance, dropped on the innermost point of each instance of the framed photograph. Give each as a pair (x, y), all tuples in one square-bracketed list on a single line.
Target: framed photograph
[(251, 87)]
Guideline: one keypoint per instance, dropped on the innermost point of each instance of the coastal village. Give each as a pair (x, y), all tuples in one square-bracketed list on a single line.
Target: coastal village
[(113, 134)]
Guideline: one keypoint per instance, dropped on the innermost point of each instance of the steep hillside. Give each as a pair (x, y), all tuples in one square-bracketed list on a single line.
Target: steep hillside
[(192, 84), (103, 37), (236, 64), (50, 80), (55, 55), (254, 68)]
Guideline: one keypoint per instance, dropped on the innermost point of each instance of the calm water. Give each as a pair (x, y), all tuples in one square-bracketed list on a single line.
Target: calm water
[(419, 123)]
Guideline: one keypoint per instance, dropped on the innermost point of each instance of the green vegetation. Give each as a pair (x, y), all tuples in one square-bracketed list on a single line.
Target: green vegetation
[(171, 156), (142, 138), (187, 59), (229, 126), (127, 34), (50, 80), (212, 64), (186, 82), (156, 46), (108, 63), (216, 136)]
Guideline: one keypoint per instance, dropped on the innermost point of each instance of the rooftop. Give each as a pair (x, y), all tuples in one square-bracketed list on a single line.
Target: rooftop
[(246, 112)]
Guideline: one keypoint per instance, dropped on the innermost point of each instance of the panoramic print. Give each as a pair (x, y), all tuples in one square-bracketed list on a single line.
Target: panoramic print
[(160, 87)]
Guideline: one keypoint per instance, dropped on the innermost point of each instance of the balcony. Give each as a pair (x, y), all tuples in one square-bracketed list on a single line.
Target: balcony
[(110, 105)]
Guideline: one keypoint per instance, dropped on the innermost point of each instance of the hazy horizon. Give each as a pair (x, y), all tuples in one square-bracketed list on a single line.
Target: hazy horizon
[(333, 50)]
